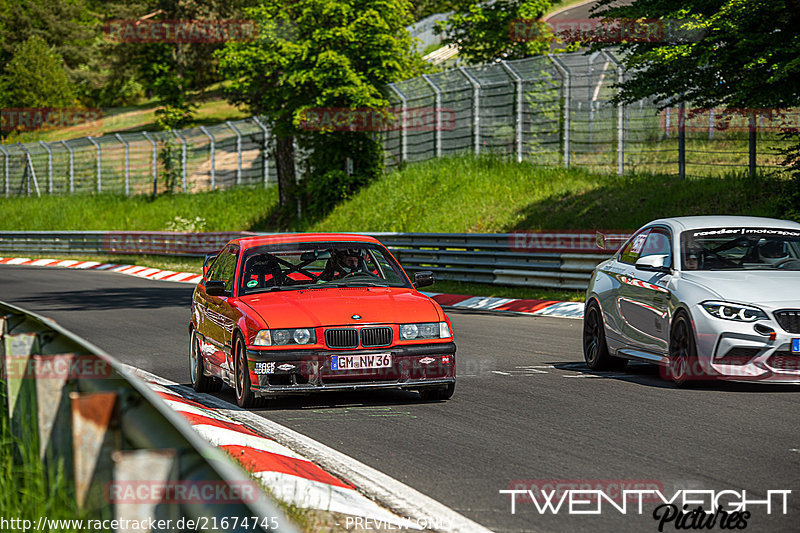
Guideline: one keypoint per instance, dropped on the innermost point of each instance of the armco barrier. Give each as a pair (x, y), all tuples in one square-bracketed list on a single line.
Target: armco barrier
[(562, 259), (130, 456)]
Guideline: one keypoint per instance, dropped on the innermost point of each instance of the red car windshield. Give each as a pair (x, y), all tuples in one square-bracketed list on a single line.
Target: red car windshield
[(317, 265)]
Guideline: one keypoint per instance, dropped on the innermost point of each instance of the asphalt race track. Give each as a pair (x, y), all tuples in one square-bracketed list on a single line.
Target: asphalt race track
[(525, 408)]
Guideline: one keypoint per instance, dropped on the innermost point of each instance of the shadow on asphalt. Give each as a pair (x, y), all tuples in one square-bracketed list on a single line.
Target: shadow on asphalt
[(649, 375), (113, 298)]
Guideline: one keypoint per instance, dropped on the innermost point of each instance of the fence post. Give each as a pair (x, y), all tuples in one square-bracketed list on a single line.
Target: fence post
[(438, 104), (238, 151), (127, 163), (682, 140), (71, 167), (6, 157), (620, 117), (29, 163), (594, 94), (99, 163), (180, 136), (476, 108), (403, 131), (49, 166), (752, 145), (155, 162), (562, 69), (666, 123), (211, 148), (265, 149), (711, 124), (518, 122)]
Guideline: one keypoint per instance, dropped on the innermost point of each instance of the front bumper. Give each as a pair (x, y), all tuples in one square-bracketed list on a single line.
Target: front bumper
[(736, 351), (283, 372)]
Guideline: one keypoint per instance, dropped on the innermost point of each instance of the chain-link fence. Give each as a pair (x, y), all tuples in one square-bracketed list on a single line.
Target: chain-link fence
[(548, 110), (557, 110), (194, 159)]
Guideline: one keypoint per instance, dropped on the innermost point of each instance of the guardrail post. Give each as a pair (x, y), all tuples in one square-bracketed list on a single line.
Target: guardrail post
[(518, 122), (96, 435), (620, 116), (264, 151), (180, 136), (156, 468), (127, 163), (562, 69), (437, 138), (155, 162), (212, 141), (6, 157), (238, 151), (99, 163), (49, 166), (54, 381), (71, 166), (476, 109), (403, 130)]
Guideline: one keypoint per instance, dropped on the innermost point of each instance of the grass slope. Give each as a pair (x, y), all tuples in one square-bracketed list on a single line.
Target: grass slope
[(458, 195)]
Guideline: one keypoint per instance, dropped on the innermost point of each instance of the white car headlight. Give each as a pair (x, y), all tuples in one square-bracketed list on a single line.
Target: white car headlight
[(736, 312), (279, 337), (424, 330)]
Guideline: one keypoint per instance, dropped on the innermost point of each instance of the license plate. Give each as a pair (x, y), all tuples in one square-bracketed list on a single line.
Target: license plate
[(361, 362), (795, 345)]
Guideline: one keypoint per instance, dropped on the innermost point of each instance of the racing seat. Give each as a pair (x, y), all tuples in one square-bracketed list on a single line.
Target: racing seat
[(265, 270)]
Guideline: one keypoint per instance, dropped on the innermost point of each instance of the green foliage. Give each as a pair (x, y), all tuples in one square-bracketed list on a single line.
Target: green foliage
[(319, 53), (734, 53), (482, 31), (35, 77)]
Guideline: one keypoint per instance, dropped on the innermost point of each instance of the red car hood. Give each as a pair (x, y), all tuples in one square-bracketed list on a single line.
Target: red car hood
[(335, 307)]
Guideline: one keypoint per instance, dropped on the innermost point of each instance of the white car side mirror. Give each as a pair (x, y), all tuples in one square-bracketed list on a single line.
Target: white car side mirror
[(654, 263)]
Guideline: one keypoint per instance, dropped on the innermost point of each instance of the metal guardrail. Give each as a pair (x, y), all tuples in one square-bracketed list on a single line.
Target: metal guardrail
[(118, 438), (565, 262)]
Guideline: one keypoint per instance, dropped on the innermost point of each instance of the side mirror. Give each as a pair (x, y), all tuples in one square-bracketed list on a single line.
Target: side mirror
[(423, 279), (216, 288), (207, 262), (654, 263)]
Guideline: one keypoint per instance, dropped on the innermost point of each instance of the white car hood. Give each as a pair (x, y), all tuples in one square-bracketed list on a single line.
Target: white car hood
[(774, 288)]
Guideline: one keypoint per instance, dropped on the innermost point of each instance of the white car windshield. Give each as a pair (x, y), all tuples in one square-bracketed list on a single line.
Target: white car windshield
[(740, 249)]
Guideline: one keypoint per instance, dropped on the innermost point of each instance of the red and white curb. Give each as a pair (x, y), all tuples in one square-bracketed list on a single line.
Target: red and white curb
[(131, 270), (511, 305), (294, 479), (550, 308)]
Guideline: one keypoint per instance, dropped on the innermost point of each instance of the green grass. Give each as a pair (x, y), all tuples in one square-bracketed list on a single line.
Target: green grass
[(32, 489), (232, 210)]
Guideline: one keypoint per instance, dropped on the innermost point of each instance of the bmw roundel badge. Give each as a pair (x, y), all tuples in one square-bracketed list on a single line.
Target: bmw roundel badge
[(356, 317)]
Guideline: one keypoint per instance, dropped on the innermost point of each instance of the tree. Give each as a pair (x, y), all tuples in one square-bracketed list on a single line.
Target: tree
[(35, 77), (318, 54), (735, 53), (484, 31)]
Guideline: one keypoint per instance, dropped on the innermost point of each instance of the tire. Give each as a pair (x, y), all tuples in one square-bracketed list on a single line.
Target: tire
[(244, 396), (595, 349), (437, 394), (683, 364), (200, 382)]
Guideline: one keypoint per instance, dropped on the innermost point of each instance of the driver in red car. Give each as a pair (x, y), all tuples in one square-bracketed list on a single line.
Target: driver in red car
[(342, 263)]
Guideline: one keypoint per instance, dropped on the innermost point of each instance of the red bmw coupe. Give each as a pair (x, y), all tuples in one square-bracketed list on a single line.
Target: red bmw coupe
[(303, 313)]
